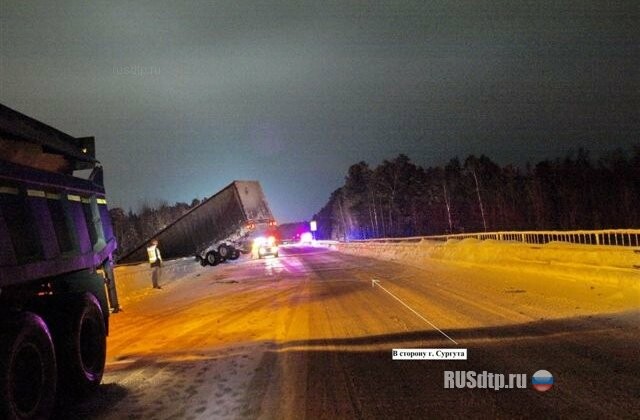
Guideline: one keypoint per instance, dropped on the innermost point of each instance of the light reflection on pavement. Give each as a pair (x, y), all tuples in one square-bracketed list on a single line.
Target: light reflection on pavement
[(305, 335)]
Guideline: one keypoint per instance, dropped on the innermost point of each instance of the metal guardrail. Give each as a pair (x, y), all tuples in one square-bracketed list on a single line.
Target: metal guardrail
[(612, 237)]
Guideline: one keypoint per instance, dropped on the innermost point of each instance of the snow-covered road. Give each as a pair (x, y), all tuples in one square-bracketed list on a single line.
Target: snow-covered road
[(307, 336)]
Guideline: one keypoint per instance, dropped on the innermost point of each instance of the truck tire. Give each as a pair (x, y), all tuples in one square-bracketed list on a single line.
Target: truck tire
[(234, 254), (225, 251), (213, 258), (199, 259), (81, 345), (27, 368), (203, 261)]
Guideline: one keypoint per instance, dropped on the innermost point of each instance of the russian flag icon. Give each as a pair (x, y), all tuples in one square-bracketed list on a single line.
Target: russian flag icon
[(542, 380)]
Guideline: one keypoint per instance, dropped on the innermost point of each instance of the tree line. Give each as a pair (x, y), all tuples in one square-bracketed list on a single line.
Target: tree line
[(399, 198)]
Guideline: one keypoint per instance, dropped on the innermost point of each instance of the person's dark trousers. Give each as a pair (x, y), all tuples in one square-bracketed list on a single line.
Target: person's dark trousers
[(156, 268)]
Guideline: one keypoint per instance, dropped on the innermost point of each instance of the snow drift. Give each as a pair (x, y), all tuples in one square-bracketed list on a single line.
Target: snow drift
[(613, 264)]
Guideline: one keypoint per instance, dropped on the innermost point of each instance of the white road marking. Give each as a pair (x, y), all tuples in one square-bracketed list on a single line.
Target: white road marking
[(375, 282)]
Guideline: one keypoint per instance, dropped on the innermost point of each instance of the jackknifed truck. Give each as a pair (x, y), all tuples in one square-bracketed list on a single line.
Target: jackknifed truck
[(56, 253), (236, 220)]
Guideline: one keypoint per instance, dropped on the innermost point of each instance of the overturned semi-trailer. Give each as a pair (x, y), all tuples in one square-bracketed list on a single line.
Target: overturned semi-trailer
[(218, 229)]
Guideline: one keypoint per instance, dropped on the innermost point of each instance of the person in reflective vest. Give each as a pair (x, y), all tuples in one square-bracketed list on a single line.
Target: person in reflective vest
[(155, 261)]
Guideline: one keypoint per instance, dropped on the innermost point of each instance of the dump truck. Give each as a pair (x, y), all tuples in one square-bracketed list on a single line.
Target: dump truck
[(219, 229), (56, 254)]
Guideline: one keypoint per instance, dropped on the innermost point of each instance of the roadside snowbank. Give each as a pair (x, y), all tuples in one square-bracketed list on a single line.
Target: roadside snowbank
[(612, 264), (135, 280)]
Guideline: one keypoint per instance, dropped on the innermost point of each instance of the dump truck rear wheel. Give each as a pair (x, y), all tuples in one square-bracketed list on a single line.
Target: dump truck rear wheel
[(27, 368), (81, 344)]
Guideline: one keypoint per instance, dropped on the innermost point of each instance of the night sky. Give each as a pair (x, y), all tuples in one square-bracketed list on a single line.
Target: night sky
[(185, 96)]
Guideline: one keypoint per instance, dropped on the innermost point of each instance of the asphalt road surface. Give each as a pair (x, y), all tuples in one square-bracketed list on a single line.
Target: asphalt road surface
[(307, 336)]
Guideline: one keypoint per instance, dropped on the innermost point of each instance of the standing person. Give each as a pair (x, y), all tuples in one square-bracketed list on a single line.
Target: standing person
[(155, 260)]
